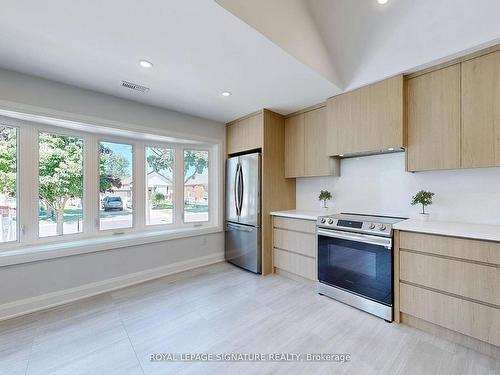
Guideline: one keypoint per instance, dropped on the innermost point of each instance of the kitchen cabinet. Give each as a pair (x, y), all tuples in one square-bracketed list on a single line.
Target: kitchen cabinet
[(366, 120), (245, 134), (294, 146), (449, 283), (317, 160), (481, 111), (265, 130), (305, 146), (294, 247), (433, 120)]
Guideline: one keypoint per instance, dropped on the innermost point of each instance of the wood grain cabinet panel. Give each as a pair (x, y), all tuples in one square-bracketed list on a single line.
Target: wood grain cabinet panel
[(299, 225), (433, 105), (294, 246), (297, 242), (481, 111), (469, 318), (296, 264), (305, 146), (294, 146), (317, 160), (474, 250), (245, 134), (471, 280), (367, 119)]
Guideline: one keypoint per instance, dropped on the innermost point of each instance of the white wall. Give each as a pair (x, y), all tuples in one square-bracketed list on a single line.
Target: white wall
[(379, 185), (52, 277)]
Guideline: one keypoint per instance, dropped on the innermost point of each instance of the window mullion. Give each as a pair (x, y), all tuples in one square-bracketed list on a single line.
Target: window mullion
[(179, 186), (28, 184), (139, 186), (91, 186)]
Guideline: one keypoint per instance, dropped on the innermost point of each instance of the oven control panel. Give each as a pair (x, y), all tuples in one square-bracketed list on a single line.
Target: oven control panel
[(354, 224)]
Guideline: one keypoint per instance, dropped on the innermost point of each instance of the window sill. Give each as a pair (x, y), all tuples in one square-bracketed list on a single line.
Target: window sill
[(64, 249)]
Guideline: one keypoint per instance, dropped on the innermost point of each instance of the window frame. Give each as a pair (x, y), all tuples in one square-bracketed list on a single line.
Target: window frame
[(53, 131), (27, 203), (174, 148), (130, 142), (18, 225), (209, 215)]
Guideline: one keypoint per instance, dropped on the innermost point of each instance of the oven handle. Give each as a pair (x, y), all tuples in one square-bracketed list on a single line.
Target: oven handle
[(385, 242)]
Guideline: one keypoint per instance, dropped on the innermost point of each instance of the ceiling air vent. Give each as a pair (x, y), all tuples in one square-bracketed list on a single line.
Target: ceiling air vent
[(135, 86)]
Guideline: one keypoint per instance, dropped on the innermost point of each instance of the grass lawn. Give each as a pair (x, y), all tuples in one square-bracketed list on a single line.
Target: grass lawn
[(70, 216), (195, 208)]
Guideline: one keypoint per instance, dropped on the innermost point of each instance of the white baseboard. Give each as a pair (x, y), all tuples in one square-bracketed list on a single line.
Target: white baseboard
[(29, 305)]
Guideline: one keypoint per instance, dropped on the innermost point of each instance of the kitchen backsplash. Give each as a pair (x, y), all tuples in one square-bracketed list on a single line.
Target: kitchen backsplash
[(379, 185)]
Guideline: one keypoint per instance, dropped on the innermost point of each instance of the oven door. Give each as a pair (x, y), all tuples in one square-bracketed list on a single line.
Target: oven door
[(357, 263)]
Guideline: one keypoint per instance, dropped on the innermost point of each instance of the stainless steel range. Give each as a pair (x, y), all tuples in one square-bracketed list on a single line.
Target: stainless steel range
[(355, 261)]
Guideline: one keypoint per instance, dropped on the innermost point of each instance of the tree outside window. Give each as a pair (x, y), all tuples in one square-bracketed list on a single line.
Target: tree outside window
[(60, 171), (8, 180)]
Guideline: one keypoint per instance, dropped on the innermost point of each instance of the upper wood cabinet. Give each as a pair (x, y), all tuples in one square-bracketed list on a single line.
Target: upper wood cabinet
[(245, 134), (367, 119), (481, 111), (305, 146), (433, 110), (294, 146)]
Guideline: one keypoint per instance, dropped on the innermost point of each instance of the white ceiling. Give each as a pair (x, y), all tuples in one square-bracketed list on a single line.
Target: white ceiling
[(198, 49), (368, 41), (278, 54)]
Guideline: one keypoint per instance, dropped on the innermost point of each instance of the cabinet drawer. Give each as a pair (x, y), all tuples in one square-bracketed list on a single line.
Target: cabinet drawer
[(466, 279), (299, 225), (479, 251), (302, 243), (469, 318), (295, 263)]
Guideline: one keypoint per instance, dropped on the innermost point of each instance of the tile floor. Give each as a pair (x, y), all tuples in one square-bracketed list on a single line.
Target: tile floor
[(221, 309)]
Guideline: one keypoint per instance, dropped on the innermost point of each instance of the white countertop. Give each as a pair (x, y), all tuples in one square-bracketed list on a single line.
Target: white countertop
[(465, 230), (301, 214)]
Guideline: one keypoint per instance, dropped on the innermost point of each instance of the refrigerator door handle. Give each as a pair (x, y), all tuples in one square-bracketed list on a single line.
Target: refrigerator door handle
[(240, 190), (236, 190)]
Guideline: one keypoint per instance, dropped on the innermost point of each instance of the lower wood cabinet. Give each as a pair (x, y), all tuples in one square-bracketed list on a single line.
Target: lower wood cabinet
[(452, 283), (294, 247), (479, 321)]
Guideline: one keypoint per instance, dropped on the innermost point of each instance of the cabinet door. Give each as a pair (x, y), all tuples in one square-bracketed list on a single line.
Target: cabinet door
[(481, 111), (245, 134), (294, 146), (434, 120), (317, 161), (366, 120)]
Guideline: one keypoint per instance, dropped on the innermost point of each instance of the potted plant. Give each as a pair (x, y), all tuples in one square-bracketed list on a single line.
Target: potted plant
[(425, 199), (325, 196)]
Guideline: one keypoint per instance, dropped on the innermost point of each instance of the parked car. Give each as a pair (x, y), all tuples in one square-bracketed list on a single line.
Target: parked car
[(112, 203)]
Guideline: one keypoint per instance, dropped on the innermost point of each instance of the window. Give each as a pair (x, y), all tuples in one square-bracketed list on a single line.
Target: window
[(115, 185), (195, 186), (134, 183), (60, 185), (160, 164), (8, 183)]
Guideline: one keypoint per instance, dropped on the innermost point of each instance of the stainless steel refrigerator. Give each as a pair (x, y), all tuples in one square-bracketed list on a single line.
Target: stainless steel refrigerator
[(242, 229)]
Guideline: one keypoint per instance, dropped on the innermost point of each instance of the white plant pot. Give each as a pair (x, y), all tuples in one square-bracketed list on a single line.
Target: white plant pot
[(423, 217), (322, 207)]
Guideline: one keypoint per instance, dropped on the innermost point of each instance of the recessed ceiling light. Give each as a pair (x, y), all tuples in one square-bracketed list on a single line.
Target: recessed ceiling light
[(341, 155), (390, 149), (382, 1), (226, 93), (145, 64)]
